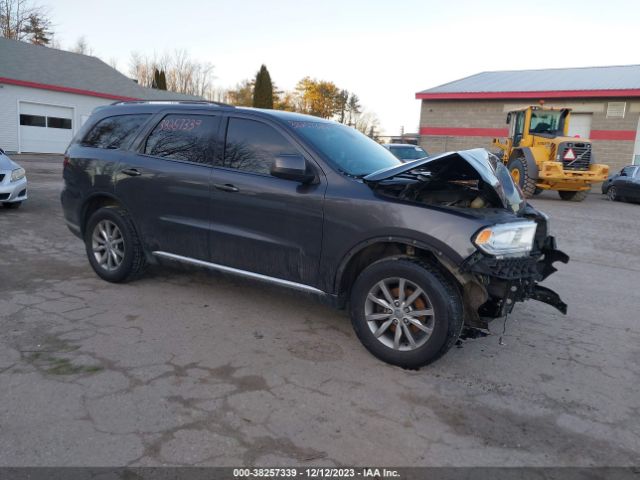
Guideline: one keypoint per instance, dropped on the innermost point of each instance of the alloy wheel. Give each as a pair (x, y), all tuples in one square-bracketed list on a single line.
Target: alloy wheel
[(107, 244), (399, 314), (612, 194)]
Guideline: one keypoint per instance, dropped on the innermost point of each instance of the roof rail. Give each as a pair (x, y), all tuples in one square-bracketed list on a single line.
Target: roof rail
[(188, 102)]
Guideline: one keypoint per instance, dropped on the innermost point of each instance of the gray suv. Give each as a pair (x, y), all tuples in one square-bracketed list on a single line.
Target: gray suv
[(414, 250)]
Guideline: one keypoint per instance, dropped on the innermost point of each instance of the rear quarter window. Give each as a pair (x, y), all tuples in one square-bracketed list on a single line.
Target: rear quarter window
[(114, 132)]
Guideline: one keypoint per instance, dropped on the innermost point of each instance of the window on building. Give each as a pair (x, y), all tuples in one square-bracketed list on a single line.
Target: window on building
[(56, 122), (252, 146), (114, 132), (190, 138), (32, 120), (616, 109)]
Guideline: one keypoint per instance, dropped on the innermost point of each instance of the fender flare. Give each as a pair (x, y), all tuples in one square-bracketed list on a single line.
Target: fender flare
[(529, 158), (439, 251)]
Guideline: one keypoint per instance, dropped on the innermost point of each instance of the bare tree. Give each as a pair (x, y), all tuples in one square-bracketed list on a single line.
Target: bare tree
[(184, 74), (82, 46), (23, 20)]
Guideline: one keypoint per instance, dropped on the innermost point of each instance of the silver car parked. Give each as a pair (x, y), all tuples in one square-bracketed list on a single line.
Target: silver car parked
[(13, 182)]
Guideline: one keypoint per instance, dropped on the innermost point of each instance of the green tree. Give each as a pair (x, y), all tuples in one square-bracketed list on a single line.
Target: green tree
[(159, 80), (263, 89), (353, 109), (342, 100), (37, 29)]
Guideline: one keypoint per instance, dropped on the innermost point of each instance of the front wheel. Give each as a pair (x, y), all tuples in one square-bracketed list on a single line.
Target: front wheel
[(521, 176), (405, 312), (612, 194), (112, 244), (573, 196)]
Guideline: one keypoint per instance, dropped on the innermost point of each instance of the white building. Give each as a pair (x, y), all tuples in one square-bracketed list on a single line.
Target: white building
[(46, 95)]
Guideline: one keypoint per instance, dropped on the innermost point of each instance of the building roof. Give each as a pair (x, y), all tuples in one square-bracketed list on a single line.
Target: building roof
[(47, 68), (614, 81)]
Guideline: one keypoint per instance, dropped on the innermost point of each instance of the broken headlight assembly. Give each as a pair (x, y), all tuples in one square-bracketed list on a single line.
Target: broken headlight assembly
[(506, 239)]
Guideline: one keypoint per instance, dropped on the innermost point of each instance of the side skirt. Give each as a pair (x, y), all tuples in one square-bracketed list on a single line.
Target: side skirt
[(244, 273)]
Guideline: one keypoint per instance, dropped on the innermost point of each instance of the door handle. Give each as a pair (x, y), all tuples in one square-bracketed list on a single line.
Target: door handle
[(132, 172), (226, 187)]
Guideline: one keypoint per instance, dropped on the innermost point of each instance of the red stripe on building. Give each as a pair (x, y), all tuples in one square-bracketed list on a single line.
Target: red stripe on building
[(57, 88), (464, 132), (613, 135), (533, 95)]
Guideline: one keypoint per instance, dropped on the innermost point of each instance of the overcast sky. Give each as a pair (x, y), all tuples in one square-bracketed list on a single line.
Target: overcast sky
[(385, 51)]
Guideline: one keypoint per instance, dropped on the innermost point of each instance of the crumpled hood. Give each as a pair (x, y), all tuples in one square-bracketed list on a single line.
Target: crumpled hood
[(490, 169), (6, 163)]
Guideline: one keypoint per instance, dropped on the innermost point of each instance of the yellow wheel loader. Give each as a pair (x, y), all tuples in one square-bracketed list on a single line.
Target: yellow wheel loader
[(541, 156)]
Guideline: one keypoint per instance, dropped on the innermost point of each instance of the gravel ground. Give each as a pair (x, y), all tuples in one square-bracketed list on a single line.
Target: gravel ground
[(187, 367)]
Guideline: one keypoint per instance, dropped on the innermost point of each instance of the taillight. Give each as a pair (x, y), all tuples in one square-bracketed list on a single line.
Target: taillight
[(65, 162)]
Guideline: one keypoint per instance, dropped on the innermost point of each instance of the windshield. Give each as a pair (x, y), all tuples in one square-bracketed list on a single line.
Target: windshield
[(349, 150), (408, 153), (551, 122)]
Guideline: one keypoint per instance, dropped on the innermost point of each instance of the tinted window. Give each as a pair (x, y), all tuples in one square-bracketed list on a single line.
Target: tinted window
[(628, 171), (252, 146), (188, 138), (55, 122), (32, 120), (349, 150), (114, 132)]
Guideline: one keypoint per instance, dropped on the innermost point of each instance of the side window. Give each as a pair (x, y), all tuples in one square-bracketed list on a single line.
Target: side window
[(190, 138), (627, 171), (114, 132), (252, 146)]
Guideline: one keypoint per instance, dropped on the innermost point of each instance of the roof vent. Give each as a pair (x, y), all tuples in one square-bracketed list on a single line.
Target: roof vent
[(616, 109)]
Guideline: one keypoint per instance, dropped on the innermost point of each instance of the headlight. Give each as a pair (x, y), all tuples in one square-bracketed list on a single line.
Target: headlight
[(507, 239), (17, 174)]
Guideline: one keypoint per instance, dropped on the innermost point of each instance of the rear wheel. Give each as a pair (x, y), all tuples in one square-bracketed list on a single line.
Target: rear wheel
[(573, 196), (112, 244), (521, 176), (12, 204), (405, 312)]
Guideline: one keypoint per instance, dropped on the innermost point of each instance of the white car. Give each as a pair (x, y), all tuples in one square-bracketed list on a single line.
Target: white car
[(13, 182)]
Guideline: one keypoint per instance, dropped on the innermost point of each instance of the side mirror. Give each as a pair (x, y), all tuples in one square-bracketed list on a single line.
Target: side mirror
[(508, 118), (292, 167)]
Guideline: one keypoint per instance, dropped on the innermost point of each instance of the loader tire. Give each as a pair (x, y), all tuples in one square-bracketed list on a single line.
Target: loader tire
[(520, 173), (573, 196)]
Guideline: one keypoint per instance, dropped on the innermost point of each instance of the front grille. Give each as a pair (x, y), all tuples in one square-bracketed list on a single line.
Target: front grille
[(582, 152), (1, 177), (4, 196)]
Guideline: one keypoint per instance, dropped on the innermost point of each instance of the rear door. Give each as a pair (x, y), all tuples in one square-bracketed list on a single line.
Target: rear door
[(260, 223), (165, 183)]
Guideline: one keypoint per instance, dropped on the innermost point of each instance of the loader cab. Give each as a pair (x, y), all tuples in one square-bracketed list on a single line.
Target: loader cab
[(537, 121)]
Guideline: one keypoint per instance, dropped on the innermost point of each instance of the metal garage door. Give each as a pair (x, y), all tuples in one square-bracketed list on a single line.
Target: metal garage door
[(580, 124), (45, 128)]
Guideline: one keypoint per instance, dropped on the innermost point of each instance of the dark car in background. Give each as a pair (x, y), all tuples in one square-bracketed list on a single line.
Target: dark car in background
[(624, 185), (414, 250), (406, 151)]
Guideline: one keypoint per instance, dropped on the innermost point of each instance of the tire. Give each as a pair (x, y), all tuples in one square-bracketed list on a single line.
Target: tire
[(12, 205), (131, 255), (440, 297), (612, 194), (573, 196), (520, 173)]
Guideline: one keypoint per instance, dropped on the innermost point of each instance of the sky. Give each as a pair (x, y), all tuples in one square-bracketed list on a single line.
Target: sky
[(384, 51)]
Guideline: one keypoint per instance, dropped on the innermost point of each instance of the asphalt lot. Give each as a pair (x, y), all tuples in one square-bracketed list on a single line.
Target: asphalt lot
[(187, 367)]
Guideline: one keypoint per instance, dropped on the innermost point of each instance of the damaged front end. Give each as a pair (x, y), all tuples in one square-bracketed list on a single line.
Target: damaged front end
[(514, 251)]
